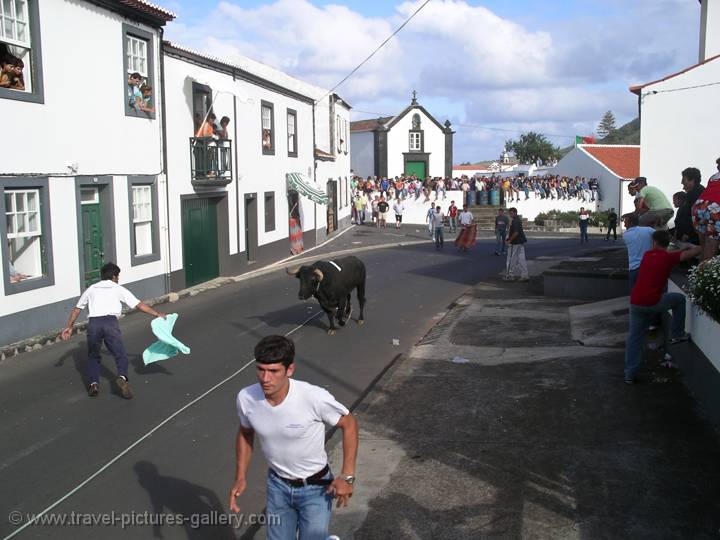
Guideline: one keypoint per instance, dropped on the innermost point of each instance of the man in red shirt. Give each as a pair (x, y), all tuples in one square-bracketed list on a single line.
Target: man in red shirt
[(648, 299), (452, 216)]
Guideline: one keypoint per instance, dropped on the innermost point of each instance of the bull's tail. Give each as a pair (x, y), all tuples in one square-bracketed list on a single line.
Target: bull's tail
[(361, 295)]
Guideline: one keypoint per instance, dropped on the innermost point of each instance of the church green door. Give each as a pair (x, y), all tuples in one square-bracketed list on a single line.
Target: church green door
[(92, 235), (417, 168)]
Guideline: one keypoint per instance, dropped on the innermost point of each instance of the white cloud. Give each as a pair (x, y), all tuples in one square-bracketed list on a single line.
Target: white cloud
[(562, 74)]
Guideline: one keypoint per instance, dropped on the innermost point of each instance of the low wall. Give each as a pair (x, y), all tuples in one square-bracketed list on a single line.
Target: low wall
[(416, 209), (530, 208)]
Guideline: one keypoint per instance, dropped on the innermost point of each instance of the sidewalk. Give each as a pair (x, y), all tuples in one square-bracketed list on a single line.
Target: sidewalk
[(499, 424)]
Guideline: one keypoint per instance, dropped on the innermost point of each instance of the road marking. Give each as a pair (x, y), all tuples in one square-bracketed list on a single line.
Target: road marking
[(141, 439)]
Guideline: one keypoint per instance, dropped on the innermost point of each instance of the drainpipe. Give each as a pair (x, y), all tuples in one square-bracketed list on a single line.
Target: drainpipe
[(314, 172), (165, 164), (237, 173)]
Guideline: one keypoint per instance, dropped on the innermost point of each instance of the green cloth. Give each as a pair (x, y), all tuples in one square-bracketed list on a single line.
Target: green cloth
[(655, 199), (167, 345)]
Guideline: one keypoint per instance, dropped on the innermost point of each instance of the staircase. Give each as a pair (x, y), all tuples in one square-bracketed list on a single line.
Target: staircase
[(484, 216)]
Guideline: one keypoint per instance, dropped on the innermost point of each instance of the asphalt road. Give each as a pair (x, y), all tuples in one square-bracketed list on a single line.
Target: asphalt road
[(170, 450)]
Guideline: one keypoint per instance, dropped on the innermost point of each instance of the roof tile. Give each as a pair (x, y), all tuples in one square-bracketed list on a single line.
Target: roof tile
[(623, 160)]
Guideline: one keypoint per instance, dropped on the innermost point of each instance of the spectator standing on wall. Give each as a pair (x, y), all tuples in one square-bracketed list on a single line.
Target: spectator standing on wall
[(638, 240), (647, 300), (516, 265), (501, 226)]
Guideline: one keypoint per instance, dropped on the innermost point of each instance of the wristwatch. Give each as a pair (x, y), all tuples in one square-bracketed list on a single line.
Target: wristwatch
[(350, 479)]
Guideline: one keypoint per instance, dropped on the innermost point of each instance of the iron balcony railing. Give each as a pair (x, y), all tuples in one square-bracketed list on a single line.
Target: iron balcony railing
[(210, 159)]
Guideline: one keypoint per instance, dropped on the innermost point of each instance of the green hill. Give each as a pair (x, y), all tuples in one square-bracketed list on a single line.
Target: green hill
[(626, 134)]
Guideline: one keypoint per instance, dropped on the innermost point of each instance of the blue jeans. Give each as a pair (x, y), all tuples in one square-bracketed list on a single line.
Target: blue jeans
[(500, 241), (105, 329), (292, 510), (439, 240), (632, 277), (453, 224), (583, 231), (640, 319)]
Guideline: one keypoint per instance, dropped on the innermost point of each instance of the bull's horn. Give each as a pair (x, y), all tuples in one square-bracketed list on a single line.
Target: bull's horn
[(293, 271), (319, 274)]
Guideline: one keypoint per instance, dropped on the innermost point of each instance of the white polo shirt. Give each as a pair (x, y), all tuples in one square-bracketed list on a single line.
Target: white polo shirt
[(106, 298), (291, 434), (466, 218)]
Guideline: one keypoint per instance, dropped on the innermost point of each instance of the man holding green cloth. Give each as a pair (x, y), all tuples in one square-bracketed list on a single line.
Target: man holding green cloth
[(654, 207)]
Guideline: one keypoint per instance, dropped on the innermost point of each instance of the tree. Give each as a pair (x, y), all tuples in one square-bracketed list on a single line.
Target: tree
[(532, 147), (606, 126)]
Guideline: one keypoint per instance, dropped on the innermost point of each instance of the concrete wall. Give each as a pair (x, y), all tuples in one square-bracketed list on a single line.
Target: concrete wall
[(362, 157), (678, 128), (399, 142), (530, 208)]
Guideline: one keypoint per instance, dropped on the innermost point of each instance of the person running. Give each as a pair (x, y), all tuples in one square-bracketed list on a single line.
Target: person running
[(289, 417), (398, 208), (501, 225), (104, 301), (437, 223), (647, 300), (516, 265)]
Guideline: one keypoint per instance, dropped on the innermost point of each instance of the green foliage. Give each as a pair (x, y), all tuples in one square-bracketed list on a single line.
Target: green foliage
[(607, 125), (531, 147), (626, 134), (704, 287)]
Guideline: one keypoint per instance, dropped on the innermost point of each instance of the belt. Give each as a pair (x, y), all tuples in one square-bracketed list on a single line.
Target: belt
[(314, 480)]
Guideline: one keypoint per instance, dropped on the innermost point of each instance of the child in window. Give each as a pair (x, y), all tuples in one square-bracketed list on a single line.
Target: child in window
[(11, 75), (146, 98)]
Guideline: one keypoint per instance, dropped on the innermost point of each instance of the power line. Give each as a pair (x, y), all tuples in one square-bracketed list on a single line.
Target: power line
[(478, 126), (653, 92), (361, 64)]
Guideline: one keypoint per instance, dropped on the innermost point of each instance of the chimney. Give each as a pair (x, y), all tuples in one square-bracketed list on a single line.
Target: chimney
[(709, 29)]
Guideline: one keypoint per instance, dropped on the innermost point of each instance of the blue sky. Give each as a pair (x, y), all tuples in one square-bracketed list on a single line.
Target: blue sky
[(517, 65)]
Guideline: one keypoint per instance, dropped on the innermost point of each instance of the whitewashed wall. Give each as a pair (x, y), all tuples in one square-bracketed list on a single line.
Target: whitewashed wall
[(362, 157), (399, 142), (529, 209), (679, 129), (83, 118)]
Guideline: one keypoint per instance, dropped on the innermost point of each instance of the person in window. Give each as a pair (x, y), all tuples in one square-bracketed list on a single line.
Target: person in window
[(145, 99), (266, 140), (222, 131), (11, 75), (134, 95), (15, 276)]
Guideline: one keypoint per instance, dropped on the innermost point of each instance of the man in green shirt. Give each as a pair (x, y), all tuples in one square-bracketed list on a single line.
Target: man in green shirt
[(654, 207)]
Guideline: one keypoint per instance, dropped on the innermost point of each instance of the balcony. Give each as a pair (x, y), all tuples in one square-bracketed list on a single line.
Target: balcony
[(210, 161)]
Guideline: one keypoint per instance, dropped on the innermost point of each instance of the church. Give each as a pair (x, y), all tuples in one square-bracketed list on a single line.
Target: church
[(413, 142)]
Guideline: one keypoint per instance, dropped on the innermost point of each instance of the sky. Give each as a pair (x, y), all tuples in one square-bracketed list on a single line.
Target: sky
[(495, 68)]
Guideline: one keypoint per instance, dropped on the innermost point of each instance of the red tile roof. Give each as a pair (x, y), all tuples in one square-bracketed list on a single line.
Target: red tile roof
[(369, 125), (623, 161), (638, 87), (468, 167)]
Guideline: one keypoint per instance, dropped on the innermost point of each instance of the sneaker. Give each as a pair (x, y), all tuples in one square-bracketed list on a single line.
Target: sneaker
[(124, 387), (93, 390), (680, 339), (667, 362)]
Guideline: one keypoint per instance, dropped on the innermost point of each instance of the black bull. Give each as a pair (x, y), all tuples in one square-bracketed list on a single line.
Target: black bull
[(331, 283)]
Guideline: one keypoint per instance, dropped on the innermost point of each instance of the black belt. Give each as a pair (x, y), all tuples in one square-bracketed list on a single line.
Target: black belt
[(314, 480)]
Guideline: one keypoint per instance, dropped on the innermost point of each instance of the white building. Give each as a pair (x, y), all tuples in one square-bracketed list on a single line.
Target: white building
[(99, 171), (413, 142), (613, 165), (679, 113)]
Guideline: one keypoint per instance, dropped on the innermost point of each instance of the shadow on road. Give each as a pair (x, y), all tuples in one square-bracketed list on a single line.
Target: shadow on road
[(173, 496)]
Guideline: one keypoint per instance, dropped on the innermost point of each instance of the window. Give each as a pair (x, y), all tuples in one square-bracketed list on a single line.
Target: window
[(338, 134), (345, 135), (340, 192), (138, 72), (347, 192), (26, 248), (269, 211), (21, 76), (144, 235), (292, 133), (267, 114), (415, 141), (142, 219)]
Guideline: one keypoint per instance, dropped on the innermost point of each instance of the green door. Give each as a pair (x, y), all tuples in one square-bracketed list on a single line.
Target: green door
[(200, 241), (417, 168), (92, 236)]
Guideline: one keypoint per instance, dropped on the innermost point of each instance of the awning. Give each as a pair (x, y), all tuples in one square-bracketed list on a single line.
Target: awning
[(304, 186)]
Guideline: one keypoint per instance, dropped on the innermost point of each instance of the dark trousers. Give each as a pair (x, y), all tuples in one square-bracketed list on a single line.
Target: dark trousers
[(612, 227), (105, 329)]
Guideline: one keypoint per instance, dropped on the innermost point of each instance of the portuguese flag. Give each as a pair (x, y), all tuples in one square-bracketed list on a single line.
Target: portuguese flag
[(589, 139)]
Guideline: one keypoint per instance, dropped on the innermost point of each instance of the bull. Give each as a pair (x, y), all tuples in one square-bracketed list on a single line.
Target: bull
[(331, 282)]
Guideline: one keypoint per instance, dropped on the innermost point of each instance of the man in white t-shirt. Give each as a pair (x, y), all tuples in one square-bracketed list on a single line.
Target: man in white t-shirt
[(104, 300), (437, 220), (398, 208), (289, 417)]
